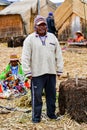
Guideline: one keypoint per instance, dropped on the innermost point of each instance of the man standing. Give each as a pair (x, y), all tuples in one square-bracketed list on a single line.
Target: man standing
[(41, 61), (51, 23)]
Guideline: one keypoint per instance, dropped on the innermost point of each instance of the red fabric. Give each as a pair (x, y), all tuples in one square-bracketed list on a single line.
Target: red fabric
[(27, 85), (78, 39), (1, 88)]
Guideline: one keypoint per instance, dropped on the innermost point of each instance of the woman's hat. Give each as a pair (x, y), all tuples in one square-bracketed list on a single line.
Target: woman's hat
[(79, 32), (13, 57)]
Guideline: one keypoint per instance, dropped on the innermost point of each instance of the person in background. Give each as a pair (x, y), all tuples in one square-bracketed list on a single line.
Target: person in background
[(79, 37), (51, 24), (41, 61), (14, 67), (12, 78)]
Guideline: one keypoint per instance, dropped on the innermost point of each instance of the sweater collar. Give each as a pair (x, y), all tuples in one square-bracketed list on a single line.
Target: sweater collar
[(37, 35)]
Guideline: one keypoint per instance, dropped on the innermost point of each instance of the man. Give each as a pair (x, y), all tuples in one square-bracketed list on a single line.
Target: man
[(41, 56), (51, 23)]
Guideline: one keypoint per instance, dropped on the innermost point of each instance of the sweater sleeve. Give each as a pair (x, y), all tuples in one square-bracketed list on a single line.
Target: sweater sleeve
[(59, 58), (26, 57)]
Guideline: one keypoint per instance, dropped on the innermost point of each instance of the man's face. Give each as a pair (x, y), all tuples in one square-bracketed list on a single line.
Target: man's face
[(41, 29)]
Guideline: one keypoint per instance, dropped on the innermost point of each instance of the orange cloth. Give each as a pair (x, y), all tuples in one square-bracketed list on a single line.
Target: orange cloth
[(26, 84), (1, 88), (78, 39)]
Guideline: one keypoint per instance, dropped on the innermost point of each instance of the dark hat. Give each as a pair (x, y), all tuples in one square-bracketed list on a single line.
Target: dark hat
[(39, 19), (50, 14)]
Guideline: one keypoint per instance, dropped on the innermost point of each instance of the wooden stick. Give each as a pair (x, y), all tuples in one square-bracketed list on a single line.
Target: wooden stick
[(76, 77), (68, 76)]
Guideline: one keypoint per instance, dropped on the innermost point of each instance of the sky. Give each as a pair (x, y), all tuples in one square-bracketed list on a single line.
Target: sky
[(14, 0), (55, 1)]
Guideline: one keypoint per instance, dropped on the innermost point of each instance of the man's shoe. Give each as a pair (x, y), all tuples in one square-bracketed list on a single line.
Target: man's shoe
[(55, 117), (58, 118), (36, 121)]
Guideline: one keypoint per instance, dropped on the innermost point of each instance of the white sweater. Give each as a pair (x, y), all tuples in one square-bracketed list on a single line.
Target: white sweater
[(39, 59)]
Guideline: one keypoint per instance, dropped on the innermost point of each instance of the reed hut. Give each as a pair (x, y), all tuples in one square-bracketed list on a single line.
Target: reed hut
[(17, 18), (46, 6), (71, 16)]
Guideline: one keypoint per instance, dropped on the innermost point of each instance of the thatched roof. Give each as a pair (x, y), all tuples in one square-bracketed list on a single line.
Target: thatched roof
[(24, 8), (45, 7), (67, 8), (20, 7)]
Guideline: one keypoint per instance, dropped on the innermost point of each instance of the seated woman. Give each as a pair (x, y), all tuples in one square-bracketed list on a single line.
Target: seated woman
[(78, 40), (79, 37), (13, 76), (13, 68)]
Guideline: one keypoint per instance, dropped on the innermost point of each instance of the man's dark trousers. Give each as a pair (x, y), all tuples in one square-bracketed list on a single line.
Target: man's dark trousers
[(48, 82)]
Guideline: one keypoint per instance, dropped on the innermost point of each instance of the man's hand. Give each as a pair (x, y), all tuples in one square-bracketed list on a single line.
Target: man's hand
[(29, 77), (59, 76)]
